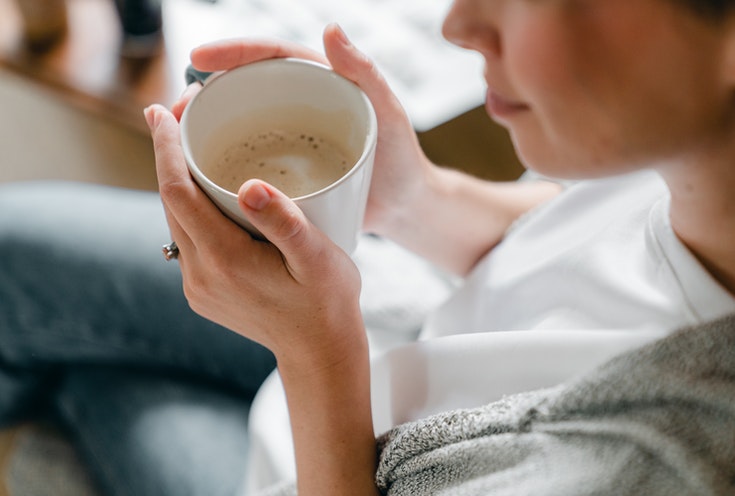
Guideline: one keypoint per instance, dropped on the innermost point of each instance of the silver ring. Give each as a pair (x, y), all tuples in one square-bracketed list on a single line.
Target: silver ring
[(170, 251)]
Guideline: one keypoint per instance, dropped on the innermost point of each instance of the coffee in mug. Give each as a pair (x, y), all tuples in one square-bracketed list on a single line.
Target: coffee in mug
[(294, 124), (296, 162)]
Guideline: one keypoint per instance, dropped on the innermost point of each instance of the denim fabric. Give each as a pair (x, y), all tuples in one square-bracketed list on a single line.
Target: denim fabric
[(93, 323), (145, 434)]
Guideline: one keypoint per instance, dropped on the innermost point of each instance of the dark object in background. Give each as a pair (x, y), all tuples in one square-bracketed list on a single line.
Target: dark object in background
[(44, 22), (142, 27)]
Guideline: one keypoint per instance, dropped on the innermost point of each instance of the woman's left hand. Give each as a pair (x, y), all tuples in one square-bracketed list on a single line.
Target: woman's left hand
[(298, 294)]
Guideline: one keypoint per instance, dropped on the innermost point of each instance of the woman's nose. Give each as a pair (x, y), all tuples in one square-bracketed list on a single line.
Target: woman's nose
[(471, 25)]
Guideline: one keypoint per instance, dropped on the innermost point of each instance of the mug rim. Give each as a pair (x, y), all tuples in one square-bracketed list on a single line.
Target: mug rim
[(370, 141)]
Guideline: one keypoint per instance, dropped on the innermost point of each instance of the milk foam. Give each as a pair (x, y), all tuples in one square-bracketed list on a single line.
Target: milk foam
[(296, 163)]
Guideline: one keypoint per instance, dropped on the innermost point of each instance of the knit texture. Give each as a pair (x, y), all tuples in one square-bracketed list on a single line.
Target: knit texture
[(659, 420)]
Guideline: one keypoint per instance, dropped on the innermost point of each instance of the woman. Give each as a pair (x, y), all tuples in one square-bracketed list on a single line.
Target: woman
[(588, 89), (630, 97)]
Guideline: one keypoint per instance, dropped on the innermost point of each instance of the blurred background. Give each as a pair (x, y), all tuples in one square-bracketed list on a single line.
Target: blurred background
[(75, 76)]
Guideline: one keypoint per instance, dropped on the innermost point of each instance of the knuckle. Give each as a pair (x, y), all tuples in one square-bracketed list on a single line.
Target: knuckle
[(191, 292), (219, 267), (162, 144), (174, 190), (290, 225), (369, 68), (198, 300)]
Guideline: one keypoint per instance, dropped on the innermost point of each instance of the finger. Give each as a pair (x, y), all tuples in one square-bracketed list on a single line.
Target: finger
[(279, 219), (186, 204), (228, 54), (178, 107), (354, 65), (164, 155), (184, 244)]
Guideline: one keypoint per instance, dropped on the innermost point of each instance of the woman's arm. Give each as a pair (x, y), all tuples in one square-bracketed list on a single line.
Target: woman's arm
[(298, 296), (332, 425), (454, 219)]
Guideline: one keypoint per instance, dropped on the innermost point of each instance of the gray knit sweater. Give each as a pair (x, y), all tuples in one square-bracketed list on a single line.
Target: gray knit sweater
[(659, 420)]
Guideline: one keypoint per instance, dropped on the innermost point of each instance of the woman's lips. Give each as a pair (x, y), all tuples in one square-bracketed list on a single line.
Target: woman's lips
[(503, 108)]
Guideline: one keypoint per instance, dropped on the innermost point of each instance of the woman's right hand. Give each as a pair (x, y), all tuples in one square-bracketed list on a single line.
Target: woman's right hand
[(401, 168)]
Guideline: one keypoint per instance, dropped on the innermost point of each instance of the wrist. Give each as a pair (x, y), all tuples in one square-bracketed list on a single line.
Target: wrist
[(400, 217), (325, 350), (331, 422)]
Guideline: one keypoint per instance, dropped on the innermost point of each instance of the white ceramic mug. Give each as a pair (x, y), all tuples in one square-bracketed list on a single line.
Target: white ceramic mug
[(296, 94)]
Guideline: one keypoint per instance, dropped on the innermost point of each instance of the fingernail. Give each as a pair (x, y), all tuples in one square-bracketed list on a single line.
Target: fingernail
[(191, 88), (150, 116), (341, 36), (256, 196)]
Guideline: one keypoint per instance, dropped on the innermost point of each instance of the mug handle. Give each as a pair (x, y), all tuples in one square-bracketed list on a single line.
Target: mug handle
[(194, 76)]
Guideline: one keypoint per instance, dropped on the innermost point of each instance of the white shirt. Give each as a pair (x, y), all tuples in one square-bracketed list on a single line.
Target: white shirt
[(602, 255), (592, 273)]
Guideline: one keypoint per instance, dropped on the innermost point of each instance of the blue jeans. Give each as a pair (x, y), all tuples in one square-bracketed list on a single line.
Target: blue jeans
[(95, 333)]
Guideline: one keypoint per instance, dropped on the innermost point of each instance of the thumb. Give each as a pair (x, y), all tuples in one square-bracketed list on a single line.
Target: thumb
[(282, 223), (354, 65)]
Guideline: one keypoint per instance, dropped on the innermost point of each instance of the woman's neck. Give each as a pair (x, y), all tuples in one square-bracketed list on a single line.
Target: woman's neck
[(703, 212)]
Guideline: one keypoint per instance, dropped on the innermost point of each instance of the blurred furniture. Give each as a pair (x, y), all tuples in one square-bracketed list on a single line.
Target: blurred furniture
[(87, 70), (85, 66)]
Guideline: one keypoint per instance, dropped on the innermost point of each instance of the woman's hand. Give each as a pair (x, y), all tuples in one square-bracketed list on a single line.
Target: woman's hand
[(298, 295), (400, 168)]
